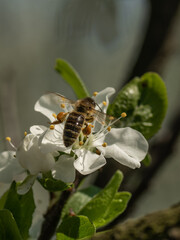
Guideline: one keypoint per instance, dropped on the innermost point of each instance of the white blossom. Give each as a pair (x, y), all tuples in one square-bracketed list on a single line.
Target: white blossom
[(125, 145)]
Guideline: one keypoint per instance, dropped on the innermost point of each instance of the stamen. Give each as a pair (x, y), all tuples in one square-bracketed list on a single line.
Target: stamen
[(25, 133), (109, 128), (104, 103), (51, 127), (95, 94), (123, 115), (104, 144), (9, 140), (62, 105), (81, 143), (54, 115)]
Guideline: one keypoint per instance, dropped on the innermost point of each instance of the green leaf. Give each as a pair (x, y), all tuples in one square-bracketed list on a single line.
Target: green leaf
[(96, 209), (70, 75), (117, 206), (8, 226), (145, 102), (79, 200), (22, 208), (80, 228), (3, 199), (147, 161), (54, 185)]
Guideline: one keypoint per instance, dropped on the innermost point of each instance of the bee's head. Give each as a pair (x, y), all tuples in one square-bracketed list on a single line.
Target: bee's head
[(85, 104)]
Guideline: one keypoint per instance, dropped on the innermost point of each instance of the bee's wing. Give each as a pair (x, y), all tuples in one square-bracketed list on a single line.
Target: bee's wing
[(103, 118), (63, 100)]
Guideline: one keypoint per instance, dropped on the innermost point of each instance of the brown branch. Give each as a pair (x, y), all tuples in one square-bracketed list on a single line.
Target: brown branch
[(164, 224), (52, 216)]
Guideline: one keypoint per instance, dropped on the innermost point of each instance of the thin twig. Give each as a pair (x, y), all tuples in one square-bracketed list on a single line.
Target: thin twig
[(52, 217)]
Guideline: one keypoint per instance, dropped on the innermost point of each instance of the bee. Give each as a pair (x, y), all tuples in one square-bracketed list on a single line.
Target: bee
[(79, 118)]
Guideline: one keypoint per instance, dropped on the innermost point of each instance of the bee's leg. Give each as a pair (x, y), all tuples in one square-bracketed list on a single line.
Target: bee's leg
[(55, 122), (87, 130), (60, 118)]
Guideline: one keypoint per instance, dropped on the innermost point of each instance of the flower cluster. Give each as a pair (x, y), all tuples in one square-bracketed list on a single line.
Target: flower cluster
[(43, 149)]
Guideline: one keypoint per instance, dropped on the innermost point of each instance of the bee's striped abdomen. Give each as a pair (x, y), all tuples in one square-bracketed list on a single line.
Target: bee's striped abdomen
[(72, 128)]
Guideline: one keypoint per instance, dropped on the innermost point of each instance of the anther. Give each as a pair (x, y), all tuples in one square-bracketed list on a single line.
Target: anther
[(51, 127), (8, 139), (104, 144), (54, 115), (25, 133), (81, 143), (62, 105), (111, 118), (95, 94), (123, 115), (104, 103), (109, 128)]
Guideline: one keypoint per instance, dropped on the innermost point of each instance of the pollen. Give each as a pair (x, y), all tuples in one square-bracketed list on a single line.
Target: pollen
[(62, 105), (109, 128), (87, 130), (123, 115), (8, 139), (54, 115), (81, 143), (104, 144), (25, 133), (51, 127), (104, 103)]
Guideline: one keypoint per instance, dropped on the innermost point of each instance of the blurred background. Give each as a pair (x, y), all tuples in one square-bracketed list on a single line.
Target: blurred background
[(108, 42)]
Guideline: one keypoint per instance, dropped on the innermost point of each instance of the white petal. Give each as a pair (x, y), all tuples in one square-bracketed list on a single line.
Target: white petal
[(41, 198), (64, 169), (31, 158), (104, 95), (38, 129), (52, 141), (50, 103), (88, 162), (9, 167), (127, 146)]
